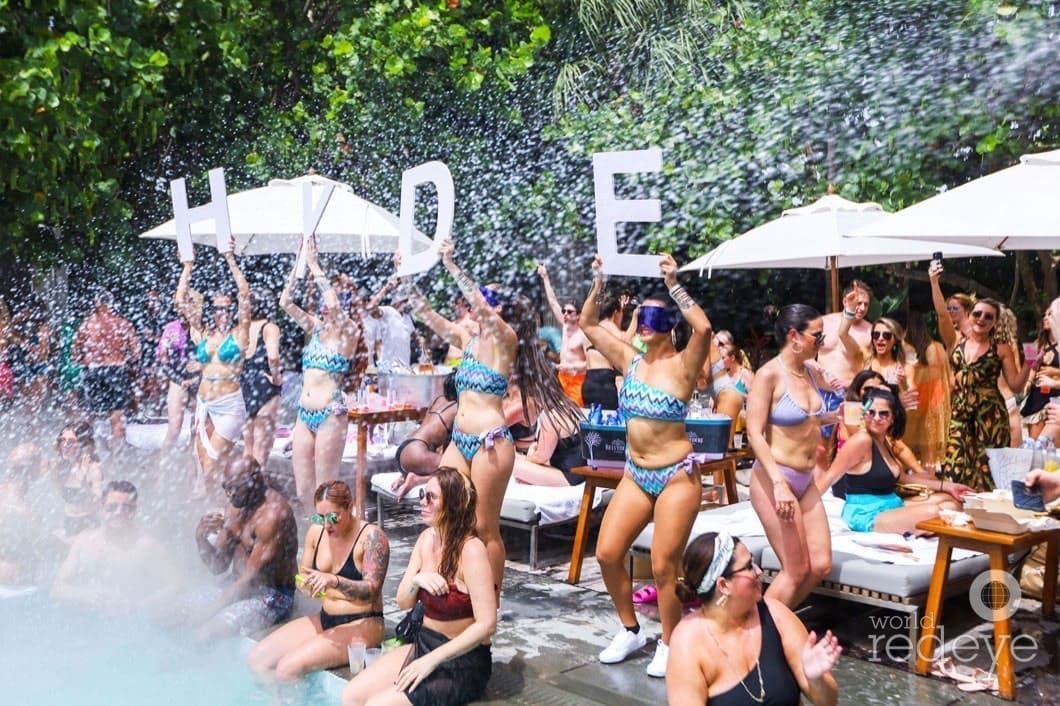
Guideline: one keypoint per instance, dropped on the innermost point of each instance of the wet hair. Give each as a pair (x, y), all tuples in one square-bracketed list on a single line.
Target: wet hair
[(335, 492), (858, 384), (262, 304), (857, 284), (456, 517), (897, 411), (793, 316), (966, 301), (897, 338), (120, 486), (696, 561), (535, 376)]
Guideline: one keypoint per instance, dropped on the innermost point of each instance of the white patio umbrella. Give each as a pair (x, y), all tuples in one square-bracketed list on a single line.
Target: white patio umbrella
[(1017, 208), (812, 237), (269, 220)]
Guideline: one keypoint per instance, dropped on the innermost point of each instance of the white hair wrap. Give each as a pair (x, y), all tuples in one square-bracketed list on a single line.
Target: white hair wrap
[(723, 548)]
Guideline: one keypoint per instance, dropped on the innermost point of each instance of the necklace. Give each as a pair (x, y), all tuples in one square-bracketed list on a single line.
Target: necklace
[(758, 668)]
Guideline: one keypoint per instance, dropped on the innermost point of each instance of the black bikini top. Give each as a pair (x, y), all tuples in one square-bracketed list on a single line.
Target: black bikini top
[(349, 570)]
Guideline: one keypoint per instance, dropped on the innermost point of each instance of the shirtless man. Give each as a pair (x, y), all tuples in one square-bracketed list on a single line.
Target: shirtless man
[(462, 318), (572, 363), (833, 356), (255, 543), (117, 565)]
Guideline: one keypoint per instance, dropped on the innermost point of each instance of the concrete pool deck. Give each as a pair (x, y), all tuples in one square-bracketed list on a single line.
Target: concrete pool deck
[(549, 634)]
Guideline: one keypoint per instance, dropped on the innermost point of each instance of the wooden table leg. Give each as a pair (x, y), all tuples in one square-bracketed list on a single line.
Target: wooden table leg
[(1006, 675), (1049, 578), (360, 493), (925, 650), (581, 533), (730, 483)]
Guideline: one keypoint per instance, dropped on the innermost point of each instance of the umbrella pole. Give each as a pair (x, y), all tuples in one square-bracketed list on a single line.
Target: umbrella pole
[(833, 278)]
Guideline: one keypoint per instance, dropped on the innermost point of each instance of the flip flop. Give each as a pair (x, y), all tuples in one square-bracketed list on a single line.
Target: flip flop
[(982, 680), (646, 594), (968, 678)]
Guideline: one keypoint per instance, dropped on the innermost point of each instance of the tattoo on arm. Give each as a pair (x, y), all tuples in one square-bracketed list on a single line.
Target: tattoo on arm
[(373, 568)]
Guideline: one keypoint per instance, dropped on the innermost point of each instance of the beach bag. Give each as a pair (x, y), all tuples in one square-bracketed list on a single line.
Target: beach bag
[(410, 625), (1032, 577)]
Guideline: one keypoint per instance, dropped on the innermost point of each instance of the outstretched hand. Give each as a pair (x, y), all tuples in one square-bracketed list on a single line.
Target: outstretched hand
[(668, 267), (819, 656), (850, 301), (445, 250), (541, 270), (935, 270), (598, 266)]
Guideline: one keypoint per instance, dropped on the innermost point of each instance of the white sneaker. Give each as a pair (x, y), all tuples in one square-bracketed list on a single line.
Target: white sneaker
[(657, 666), (622, 645)]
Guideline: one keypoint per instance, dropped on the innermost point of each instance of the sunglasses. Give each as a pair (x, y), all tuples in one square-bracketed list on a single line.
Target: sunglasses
[(112, 508), (953, 309), (878, 413), (984, 315), (328, 518), (885, 335), (429, 495), (570, 311), (818, 338)]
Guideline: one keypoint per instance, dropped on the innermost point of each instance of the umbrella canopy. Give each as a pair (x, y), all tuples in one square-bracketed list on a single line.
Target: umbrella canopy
[(812, 237), (1012, 209), (269, 220)]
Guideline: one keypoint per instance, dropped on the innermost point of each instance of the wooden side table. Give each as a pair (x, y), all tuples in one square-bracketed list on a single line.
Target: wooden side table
[(997, 546), (609, 478), (364, 419)]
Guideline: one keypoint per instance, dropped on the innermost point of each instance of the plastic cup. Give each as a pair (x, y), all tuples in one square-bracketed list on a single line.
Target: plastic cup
[(371, 654), (737, 440), (852, 413), (1030, 353), (356, 653)]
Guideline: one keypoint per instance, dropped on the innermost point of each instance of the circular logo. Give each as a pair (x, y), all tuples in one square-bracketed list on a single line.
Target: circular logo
[(994, 595)]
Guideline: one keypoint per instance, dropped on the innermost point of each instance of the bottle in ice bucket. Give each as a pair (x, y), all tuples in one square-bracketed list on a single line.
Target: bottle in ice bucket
[(695, 407)]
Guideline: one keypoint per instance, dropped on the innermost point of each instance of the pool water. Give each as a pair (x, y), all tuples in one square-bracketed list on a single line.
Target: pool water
[(53, 657)]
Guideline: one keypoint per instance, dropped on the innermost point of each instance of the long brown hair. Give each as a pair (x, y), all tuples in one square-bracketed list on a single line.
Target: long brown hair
[(456, 517)]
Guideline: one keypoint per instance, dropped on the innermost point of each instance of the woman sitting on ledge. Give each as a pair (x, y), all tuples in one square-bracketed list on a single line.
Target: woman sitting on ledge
[(344, 565), (869, 467)]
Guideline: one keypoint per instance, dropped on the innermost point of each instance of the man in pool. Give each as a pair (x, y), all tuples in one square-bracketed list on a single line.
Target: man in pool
[(255, 543), (117, 566)]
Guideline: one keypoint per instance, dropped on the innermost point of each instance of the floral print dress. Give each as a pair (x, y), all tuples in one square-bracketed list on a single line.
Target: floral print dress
[(978, 418)]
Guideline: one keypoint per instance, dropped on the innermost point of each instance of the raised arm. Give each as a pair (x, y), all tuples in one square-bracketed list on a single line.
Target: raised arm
[(484, 313), (242, 299), (618, 352), (853, 351), (452, 334), (698, 348), (550, 294), (300, 315), (183, 300), (946, 329), (379, 296), (331, 299)]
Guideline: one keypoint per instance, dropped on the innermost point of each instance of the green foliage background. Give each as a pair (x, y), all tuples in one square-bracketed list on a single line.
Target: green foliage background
[(758, 104)]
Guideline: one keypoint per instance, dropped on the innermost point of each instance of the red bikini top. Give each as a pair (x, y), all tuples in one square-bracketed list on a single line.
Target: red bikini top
[(455, 605)]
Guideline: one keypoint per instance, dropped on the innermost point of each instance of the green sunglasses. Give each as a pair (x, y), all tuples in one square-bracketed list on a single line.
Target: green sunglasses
[(330, 518)]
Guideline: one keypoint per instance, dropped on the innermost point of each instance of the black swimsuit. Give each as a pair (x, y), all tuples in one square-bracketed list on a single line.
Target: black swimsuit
[(413, 439), (349, 571), (257, 388), (778, 682)]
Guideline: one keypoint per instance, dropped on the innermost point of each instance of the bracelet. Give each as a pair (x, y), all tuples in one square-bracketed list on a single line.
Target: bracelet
[(682, 297), (466, 285), (848, 314)]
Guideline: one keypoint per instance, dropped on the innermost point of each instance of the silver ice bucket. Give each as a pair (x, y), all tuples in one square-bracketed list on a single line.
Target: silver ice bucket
[(413, 389)]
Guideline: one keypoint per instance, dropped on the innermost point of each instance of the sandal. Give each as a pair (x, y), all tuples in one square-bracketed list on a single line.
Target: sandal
[(968, 678), (982, 680), (647, 594)]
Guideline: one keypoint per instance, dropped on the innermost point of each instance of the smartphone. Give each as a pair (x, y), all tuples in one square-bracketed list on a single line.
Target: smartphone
[(1027, 498), (937, 256)]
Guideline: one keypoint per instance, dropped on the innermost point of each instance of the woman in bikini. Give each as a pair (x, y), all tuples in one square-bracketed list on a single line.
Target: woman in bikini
[(262, 379), (785, 409), (662, 481), (320, 432), (482, 446), (78, 476), (449, 575), (344, 565), (220, 334)]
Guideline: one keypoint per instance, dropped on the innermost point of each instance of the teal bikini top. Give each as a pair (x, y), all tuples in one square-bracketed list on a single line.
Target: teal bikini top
[(639, 399), (228, 352), (472, 375), (317, 356)]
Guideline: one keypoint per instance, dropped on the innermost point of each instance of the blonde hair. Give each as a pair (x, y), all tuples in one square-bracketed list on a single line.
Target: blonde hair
[(1007, 329), (898, 338)]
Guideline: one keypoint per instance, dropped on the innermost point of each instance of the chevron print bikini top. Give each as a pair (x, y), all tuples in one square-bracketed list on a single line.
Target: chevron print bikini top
[(638, 399)]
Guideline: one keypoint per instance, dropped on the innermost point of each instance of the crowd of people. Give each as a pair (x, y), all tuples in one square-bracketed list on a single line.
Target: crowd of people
[(848, 406)]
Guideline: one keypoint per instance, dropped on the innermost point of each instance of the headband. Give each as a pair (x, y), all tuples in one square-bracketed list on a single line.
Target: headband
[(493, 297), (723, 548)]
